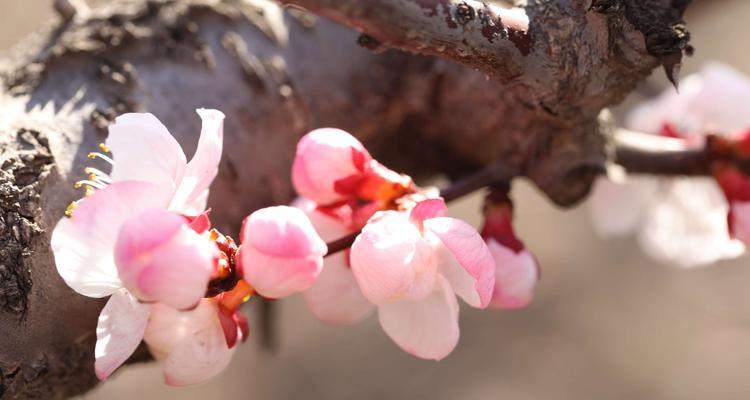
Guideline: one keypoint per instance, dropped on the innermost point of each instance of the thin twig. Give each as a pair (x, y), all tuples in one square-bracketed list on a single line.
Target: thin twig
[(495, 173), (641, 153)]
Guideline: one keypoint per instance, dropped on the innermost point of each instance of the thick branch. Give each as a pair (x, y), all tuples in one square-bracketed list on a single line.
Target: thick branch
[(418, 115), (477, 34)]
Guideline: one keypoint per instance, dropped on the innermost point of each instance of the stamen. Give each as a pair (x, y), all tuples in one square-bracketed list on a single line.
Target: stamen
[(87, 182), (93, 155), (71, 207), (100, 175), (104, 148)]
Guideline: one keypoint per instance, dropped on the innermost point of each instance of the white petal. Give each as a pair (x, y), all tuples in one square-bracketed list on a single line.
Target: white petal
[(144, 150), (426, 328), (335, 297), (618, 208), (687, 226), (122, 323), (192, 191), (191, 343), (84, 244), (390, 258)]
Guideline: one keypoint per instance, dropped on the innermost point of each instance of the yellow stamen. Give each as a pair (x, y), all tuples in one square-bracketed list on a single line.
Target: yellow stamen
[(69, 210), (89, 191), (104, 147)]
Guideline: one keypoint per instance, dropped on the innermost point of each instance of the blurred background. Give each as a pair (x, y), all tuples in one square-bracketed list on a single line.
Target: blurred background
[(607, 322)]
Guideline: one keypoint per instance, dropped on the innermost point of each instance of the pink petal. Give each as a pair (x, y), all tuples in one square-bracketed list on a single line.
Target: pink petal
[(160, 258), (281, 253), (430, 208), (741, 221), (426, 328), (282, 231), (325, 156), (516, 277), (190, 343), (144, 150), (83, 245), (192, 192), (328, 228), (390, 258), (335, 297), (122, 323), (278, 276), (467, 264)]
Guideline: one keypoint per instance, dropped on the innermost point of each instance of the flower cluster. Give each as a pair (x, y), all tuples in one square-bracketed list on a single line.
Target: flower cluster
[(686, 221), (410, 260), (142, 235)]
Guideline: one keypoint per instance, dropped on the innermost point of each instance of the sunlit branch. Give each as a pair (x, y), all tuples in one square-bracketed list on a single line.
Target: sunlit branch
[(641, 153)]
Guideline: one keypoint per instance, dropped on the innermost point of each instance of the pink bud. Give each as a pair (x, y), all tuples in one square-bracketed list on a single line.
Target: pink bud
[(516, 275), (326, 163), (281, 253), (160, 258)]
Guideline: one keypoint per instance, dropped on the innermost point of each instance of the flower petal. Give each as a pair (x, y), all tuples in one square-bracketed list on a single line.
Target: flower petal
[(278, 276), (144, 150), (516, 275), (122, 323), (335, 298), (618, 208), (430, 208), (160, 258), (426, 328), (390, 258), (329, 228), (192, 192), (468, 264), (190, 343), (687, 225), (83, 245), (324, 157), (281, 253), (282, 231)]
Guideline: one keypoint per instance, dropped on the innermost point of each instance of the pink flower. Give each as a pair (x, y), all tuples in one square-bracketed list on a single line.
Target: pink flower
[(333, 169), (280, 253), (516, 270), (412, 264), (325, 158), (680, 220), (335, 297), (127, 238)]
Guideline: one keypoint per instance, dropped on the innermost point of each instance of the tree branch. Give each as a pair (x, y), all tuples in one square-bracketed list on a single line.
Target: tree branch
[(641, 153), (478, 34)]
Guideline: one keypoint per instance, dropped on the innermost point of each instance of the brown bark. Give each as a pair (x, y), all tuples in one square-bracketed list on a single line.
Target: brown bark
[(277, 76)]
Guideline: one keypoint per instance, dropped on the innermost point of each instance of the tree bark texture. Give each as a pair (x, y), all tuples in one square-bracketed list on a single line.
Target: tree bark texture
[(277, 74)]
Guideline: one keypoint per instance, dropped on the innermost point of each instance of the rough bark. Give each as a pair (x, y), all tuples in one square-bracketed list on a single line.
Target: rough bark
[(276, 76)]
